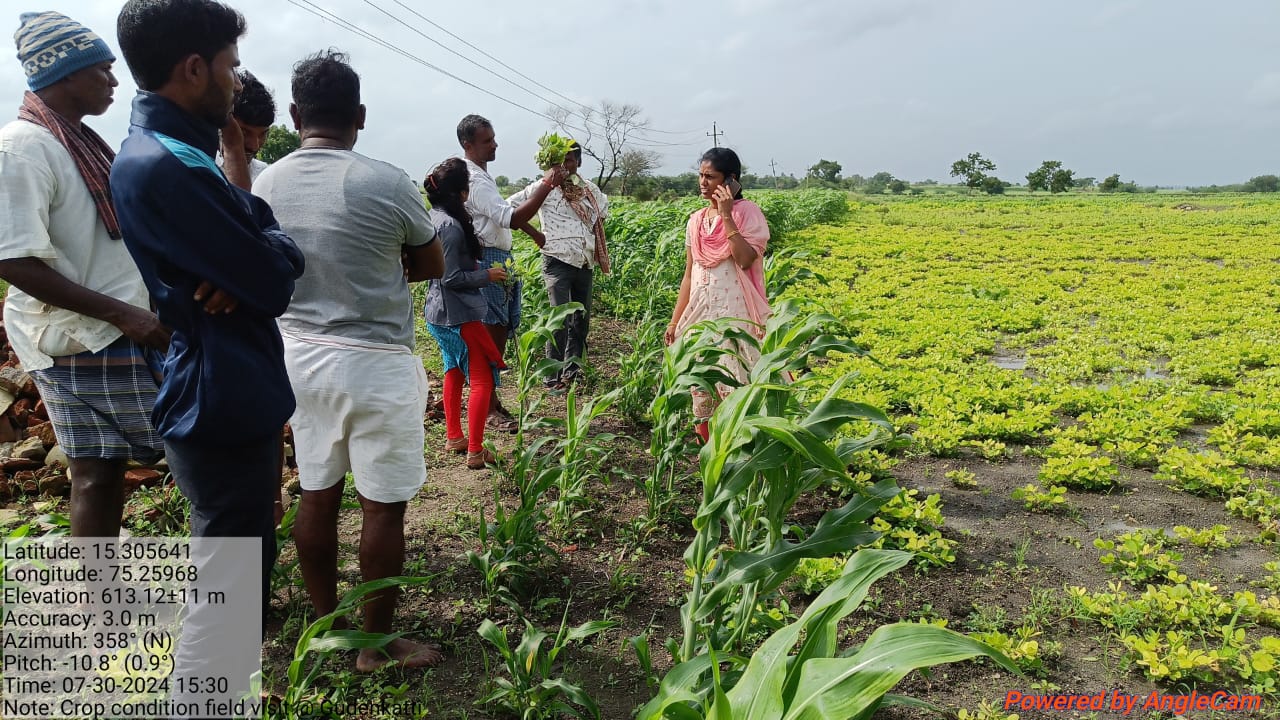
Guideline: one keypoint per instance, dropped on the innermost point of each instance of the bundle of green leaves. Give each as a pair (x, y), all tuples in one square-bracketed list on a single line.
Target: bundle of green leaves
[(552, 150)]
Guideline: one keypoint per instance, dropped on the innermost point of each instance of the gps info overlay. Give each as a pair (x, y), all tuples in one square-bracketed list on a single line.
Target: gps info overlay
[(138, 627)]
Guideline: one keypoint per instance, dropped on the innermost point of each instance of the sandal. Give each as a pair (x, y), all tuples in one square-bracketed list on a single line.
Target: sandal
[(456, 445), (479, 460), (502, 423)]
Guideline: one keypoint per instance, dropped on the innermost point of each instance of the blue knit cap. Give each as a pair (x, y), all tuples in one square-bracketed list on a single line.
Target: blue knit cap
[(51, 46)]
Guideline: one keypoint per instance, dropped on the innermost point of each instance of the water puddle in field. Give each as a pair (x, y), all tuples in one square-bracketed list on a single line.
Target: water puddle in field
[(1008, 361), (1157, 370), (1197, 434)]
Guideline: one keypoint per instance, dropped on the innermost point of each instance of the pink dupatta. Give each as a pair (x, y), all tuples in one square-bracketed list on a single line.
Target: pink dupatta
[(711, 249)]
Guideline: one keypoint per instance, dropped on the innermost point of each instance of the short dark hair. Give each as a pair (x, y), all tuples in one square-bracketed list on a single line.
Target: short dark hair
[(469, 126), (254, 105), (326, 90), (155, 35)]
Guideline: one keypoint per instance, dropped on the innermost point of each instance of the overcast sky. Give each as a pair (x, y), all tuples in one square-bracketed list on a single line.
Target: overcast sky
[(1168, 92)]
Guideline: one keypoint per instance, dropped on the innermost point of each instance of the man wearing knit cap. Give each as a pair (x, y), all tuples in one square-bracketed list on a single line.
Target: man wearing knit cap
[(77, 310)]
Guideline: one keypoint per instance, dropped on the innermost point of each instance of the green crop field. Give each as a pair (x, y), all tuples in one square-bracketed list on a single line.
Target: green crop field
[(994, 445)]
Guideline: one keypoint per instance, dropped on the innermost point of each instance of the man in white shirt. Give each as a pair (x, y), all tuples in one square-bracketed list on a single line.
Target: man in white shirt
[(77, 312), (493, 218)]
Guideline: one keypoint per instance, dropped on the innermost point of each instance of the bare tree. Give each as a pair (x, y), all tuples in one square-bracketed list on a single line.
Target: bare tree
[(608, 128), (635, 164)]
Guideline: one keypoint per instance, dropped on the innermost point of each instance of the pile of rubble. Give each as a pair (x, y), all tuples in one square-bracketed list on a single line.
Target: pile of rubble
[(31, 463)]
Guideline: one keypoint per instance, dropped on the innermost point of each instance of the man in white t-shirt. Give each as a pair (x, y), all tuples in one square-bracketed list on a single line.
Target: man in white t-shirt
[(77, 312)]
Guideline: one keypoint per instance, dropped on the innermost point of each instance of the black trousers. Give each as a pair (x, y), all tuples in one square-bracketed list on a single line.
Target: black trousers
[(565, 284)]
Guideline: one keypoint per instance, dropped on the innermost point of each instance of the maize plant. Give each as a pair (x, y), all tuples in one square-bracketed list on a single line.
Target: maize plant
[(768, 447), (795, 674)]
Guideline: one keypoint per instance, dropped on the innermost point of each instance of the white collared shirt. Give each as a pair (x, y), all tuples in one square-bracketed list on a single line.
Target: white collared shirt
[(490, 213)]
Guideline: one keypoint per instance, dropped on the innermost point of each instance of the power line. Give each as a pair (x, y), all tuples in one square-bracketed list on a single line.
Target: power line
[(451, 34), (584, 110), (329, 16), (492, 72), (585, 113), (324, 14)]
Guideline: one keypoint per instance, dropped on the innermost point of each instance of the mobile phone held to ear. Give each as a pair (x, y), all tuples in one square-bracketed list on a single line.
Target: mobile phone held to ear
[(734, 186)]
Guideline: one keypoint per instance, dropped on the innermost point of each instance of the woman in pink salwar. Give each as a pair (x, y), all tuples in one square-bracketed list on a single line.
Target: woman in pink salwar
[(724, 269)]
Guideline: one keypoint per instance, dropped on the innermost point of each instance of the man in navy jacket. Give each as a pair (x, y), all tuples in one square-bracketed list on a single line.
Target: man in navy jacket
[(225, 395)]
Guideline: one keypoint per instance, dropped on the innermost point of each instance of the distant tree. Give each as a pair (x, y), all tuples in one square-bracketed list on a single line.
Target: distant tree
[(877, 184), (828, 171), (1263, 184), (993, 185), (280, 142), (1084, 183), (1050, 176), (897, 187), (1038, 179), (635, 164), (1060, 180), (787, 182), (1113, 184), (503, 181), (973, 168), (609, 128)]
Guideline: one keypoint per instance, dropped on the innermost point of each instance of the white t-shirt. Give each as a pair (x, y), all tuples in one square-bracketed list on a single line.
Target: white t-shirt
[(490, 213), (49, 214), (256, 166)]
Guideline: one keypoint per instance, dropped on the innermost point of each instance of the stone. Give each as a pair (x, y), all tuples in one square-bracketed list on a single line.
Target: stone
[(30, 449), (55, 484), (9, 517), (26, 480), (18, 382), (12, 465), (20, 410), (56, 457), (44, 431), (139, 477)]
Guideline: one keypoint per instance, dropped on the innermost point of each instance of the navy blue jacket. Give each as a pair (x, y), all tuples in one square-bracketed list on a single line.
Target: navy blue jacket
[(224, 376)]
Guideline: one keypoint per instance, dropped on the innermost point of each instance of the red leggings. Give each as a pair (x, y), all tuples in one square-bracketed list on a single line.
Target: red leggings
[(482, 354)]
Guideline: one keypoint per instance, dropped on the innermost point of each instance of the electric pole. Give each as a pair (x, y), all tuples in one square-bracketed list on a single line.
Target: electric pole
[(774, 169), (714, 135)]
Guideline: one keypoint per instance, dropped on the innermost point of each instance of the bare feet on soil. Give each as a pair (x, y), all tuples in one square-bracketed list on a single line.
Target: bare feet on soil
[(407, 653)]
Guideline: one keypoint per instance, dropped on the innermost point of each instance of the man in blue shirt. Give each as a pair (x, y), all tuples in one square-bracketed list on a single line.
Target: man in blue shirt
[(225, 395)]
